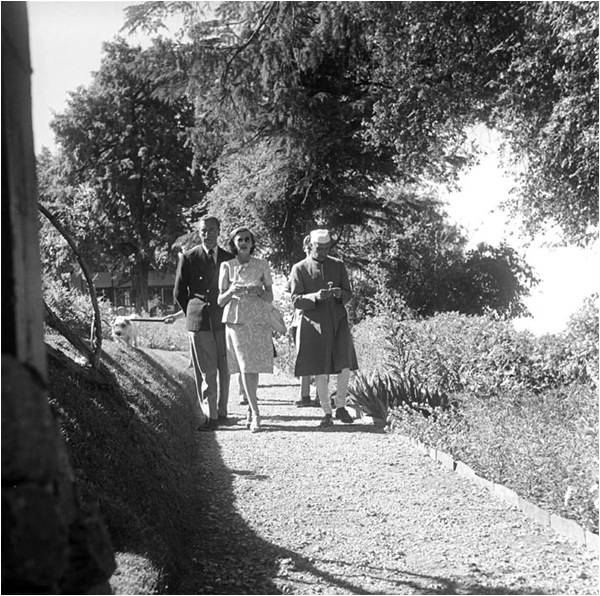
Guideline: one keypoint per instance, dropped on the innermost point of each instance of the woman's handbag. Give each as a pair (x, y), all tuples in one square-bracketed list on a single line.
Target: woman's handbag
[(276, 320)]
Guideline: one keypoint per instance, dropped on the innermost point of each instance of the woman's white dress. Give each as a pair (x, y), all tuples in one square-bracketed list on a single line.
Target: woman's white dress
[(248, 331)]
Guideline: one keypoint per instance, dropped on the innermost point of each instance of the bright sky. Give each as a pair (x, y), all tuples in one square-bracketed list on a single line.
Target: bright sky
[(66, 43), (66, 40), (567, 274)]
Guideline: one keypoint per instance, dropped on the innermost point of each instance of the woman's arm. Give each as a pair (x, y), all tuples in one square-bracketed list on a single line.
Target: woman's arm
[(225, 291), (267, 294)]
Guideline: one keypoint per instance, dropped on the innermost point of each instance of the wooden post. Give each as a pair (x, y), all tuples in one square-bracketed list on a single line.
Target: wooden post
[(22, 311)]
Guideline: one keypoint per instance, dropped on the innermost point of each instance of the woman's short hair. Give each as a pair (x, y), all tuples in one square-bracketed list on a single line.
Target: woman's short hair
[(231, 243)]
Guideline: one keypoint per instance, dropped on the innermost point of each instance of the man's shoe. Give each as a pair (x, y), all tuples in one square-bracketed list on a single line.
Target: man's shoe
[(326, 421), (342, 415), (225, 421), (304, 402), (212, 424)]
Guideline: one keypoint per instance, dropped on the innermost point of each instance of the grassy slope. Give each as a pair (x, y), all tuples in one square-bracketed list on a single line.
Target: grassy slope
[(131, 442)]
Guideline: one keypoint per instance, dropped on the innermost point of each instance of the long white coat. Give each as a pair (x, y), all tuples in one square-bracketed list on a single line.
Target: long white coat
[(323, 337)]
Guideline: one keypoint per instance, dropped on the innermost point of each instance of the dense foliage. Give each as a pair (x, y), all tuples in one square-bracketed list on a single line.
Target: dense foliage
[(419, 261), (349, 92), (526, 407), (302, 112), (582, 334), (71, 205), (480, 354), (124, 172), (73, 307), (548, 110), (543, 446)]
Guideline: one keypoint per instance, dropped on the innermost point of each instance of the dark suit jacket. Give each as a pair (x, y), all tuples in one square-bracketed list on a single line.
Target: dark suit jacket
[(197, 288)]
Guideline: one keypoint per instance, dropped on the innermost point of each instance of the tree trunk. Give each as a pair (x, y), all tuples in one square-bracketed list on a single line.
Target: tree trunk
[(139, 287), (51, 543)]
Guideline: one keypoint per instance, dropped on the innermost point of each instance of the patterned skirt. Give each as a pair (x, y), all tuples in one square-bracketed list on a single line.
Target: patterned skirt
[(249, 348)]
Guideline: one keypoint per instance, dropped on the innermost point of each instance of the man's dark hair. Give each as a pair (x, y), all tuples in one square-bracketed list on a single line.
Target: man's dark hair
[(209, 218)]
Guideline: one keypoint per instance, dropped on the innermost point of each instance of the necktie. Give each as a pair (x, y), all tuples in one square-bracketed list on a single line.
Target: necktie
[(211, 257)]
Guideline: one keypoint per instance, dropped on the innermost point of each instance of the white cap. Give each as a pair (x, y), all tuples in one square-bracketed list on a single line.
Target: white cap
[(320, 236)]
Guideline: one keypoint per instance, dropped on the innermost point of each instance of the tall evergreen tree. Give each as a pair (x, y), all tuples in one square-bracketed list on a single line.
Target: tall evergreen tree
[(357, 91)]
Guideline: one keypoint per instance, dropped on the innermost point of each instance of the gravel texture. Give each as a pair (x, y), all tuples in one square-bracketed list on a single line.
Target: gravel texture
[(354, 510)]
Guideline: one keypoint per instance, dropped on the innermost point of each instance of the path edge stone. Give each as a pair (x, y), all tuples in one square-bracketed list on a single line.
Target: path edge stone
[(567, 528)]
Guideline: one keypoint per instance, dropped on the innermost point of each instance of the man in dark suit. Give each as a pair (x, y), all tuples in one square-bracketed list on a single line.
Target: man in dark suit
[(196, 291)]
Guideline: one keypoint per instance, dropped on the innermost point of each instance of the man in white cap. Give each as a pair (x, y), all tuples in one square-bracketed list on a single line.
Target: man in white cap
[(320, 288)]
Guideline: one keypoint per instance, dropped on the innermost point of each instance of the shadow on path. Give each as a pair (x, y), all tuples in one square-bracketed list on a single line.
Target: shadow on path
[(219, 552), (226, 555)]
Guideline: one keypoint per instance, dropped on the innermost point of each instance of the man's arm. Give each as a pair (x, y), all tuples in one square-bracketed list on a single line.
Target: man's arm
[(180, 289), (301, 299), (169, 319), (345, 286)]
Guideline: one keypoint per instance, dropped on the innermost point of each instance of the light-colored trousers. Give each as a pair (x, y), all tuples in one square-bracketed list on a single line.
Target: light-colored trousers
[(305, 386), (209, 357), (322, 384)]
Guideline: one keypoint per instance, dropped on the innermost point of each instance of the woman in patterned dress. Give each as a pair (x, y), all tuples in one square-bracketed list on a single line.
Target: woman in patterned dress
[(245, 290)]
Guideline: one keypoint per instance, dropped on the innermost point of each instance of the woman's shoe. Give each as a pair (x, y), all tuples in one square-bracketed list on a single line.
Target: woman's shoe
[(255, 424)]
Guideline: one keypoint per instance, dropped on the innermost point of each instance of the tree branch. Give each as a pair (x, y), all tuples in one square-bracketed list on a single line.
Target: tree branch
[(241, 48), (54, 321), (96, 331)]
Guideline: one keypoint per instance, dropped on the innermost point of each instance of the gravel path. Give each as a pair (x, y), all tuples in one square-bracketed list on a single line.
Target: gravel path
[(353, 510)]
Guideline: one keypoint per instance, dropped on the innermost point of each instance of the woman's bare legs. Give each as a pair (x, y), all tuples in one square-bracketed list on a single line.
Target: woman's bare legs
[(250, 383)]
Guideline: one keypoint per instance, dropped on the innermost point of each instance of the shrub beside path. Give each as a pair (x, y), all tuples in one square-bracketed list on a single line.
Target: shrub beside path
[(353, 510)]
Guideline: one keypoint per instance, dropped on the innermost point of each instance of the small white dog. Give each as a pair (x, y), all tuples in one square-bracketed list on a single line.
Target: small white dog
[(124, 330)]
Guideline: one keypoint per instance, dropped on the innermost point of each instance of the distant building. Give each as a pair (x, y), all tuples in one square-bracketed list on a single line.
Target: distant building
[(117, 290)]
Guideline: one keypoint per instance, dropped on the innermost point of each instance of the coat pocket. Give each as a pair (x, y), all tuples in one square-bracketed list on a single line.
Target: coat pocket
[(195, 308)]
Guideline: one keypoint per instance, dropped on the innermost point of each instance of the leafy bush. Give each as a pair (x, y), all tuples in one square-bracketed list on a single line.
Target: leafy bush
[(284, 344), (582, 334), (527, 408), (285, 360), (75, 308), (544, 446), (370, 343), (481, 354)]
